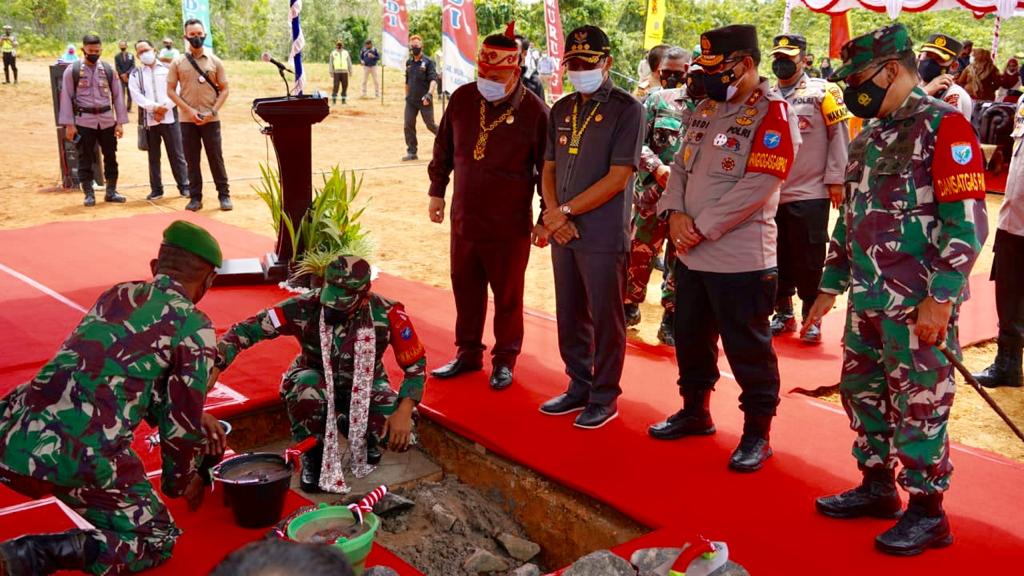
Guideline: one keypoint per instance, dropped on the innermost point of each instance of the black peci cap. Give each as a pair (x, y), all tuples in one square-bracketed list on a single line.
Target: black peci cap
[(588, 43)]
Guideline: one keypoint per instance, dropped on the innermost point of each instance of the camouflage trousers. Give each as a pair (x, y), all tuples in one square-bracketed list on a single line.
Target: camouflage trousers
[(649, 233), (898, 394), (132, 526), (305, 396)]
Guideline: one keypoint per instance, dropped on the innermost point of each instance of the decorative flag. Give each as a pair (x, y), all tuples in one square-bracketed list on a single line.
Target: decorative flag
[(458, 43), (395, 26), (840, 34), (655, 31), (553, 18), (298, 43), (200, 10)]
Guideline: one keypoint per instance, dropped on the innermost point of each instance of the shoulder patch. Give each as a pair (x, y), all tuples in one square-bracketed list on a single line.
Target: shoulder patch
[(958, 169), (772, 151), (407, 346), (833, 106)]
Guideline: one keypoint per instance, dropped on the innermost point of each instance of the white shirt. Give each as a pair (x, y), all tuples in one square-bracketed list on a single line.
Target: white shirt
[(152, 92)]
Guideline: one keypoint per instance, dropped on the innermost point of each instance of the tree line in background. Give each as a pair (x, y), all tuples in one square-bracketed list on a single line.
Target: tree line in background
[(244, 29)]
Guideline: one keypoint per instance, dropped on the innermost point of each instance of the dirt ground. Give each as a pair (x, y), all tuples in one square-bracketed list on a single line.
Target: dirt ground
[(363, 135)]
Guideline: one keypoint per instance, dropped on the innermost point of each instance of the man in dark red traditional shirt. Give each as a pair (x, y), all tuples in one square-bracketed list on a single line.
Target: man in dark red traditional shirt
[(493, 136)]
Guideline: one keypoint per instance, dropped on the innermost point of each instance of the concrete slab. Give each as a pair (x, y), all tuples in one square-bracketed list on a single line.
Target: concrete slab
[(396, 470)]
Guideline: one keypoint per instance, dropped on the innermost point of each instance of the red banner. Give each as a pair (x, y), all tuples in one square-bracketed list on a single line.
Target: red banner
[(458, 42), (395, 25), (555, 49), (840, 34)]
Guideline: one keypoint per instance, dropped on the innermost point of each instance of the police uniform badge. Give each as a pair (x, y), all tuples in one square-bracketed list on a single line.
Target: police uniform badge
[(744, 120)]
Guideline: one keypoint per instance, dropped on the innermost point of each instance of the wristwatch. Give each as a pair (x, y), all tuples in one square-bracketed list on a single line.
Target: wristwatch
[(565, 209)]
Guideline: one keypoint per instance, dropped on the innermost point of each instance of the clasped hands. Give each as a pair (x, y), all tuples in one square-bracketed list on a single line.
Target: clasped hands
[(556, 226), (683, 232)]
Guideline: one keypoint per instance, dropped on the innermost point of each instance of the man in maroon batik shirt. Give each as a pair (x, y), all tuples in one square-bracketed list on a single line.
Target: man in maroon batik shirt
[(493, 136)]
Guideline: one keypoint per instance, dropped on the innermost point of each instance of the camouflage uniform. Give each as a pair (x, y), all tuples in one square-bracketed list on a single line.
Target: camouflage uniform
[(143, 352), (912, 223), (303, 388), (666, 111)]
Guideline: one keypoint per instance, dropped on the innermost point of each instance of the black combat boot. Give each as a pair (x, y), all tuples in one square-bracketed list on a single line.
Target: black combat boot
[(312, 460), (754, 448), (38, 554), (693, 420), (876, 497), (1004, 371), (924, 525), (112, 195), (667, 330), (90, 194), (632, 314)]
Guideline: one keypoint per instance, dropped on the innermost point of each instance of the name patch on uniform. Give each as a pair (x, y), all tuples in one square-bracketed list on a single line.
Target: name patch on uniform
[(960, 173), (698, 123), (741, 132), (772, 152)]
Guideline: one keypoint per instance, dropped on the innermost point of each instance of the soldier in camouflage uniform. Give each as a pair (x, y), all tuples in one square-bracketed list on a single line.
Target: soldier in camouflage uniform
[(666, 112), (912, 223), (346, 302), (143, 352)]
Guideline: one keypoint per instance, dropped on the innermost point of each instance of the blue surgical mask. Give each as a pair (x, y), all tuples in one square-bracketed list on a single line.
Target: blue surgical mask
[(587, 81), (491, 91)]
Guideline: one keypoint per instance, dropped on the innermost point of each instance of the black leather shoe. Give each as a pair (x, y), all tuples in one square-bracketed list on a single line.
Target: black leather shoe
[(457, 366), (410, 157), (48, 553), (226, 205), (876, 497), (750, 455), (632, 314), (501, 377), (596, 415), (923, 526), (1004, 371), (194, 205), (155, 196), (312, 460), (114, 197), (667, 330), (683, 423), (563, 404), (90, 200)]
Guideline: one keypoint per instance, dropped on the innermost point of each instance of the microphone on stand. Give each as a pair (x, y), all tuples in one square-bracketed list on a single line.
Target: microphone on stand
[(281, 69)]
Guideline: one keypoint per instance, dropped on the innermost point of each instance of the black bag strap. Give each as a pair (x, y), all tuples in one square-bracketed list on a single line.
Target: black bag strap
[(202, 73)]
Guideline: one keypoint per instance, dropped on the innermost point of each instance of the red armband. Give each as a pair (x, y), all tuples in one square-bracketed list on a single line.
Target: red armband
[(408, 349), (772, 152), (958, 167)]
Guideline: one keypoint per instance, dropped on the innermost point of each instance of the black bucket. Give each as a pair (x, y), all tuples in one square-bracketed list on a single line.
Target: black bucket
[(255, 485)]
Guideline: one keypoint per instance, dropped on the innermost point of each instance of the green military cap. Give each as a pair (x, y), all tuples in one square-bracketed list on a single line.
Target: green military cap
[(194, 239), (345, 281), (945, 47), (789, 44), (668, 123), (716, 44), (882, 44)]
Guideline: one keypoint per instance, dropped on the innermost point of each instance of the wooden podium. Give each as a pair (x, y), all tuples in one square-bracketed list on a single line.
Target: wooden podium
[(290, 120)]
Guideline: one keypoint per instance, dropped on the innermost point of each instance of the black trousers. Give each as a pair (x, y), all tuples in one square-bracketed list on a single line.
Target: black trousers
[(10, 64), (87, 154), (1009, 279), (412, 109), (589, 290), (735, 307), (194, 139), (340, 78), (170, 135), (502, 265), (803, 242), (127, 94)]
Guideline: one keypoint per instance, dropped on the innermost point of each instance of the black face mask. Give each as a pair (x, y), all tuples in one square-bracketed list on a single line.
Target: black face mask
[(92, 58), (695, 86), (783, 68), (929, 69), (672, 79), (717, 85), (334, 317), (123, 49), (865, 100), (197, 41), (416, 50)]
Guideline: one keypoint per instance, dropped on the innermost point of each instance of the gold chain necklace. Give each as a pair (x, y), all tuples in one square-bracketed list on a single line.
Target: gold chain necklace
[(577, 132), (485, 129)]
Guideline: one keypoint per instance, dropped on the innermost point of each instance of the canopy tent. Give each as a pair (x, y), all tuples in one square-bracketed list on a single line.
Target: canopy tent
[(1002, 8)]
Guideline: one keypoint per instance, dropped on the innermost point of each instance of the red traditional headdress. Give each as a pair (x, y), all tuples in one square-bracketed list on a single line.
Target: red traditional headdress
[(493, 57)]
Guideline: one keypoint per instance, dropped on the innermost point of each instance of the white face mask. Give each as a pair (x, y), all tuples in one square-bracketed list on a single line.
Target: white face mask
[(587, 81), (148, 58), (491, 91)]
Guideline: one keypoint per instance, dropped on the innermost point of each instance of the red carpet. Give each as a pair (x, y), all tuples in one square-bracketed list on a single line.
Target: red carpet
[(679, 488)]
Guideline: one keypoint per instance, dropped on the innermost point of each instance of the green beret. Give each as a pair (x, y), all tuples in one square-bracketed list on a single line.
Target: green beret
[(192, 238), (882, 44)]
